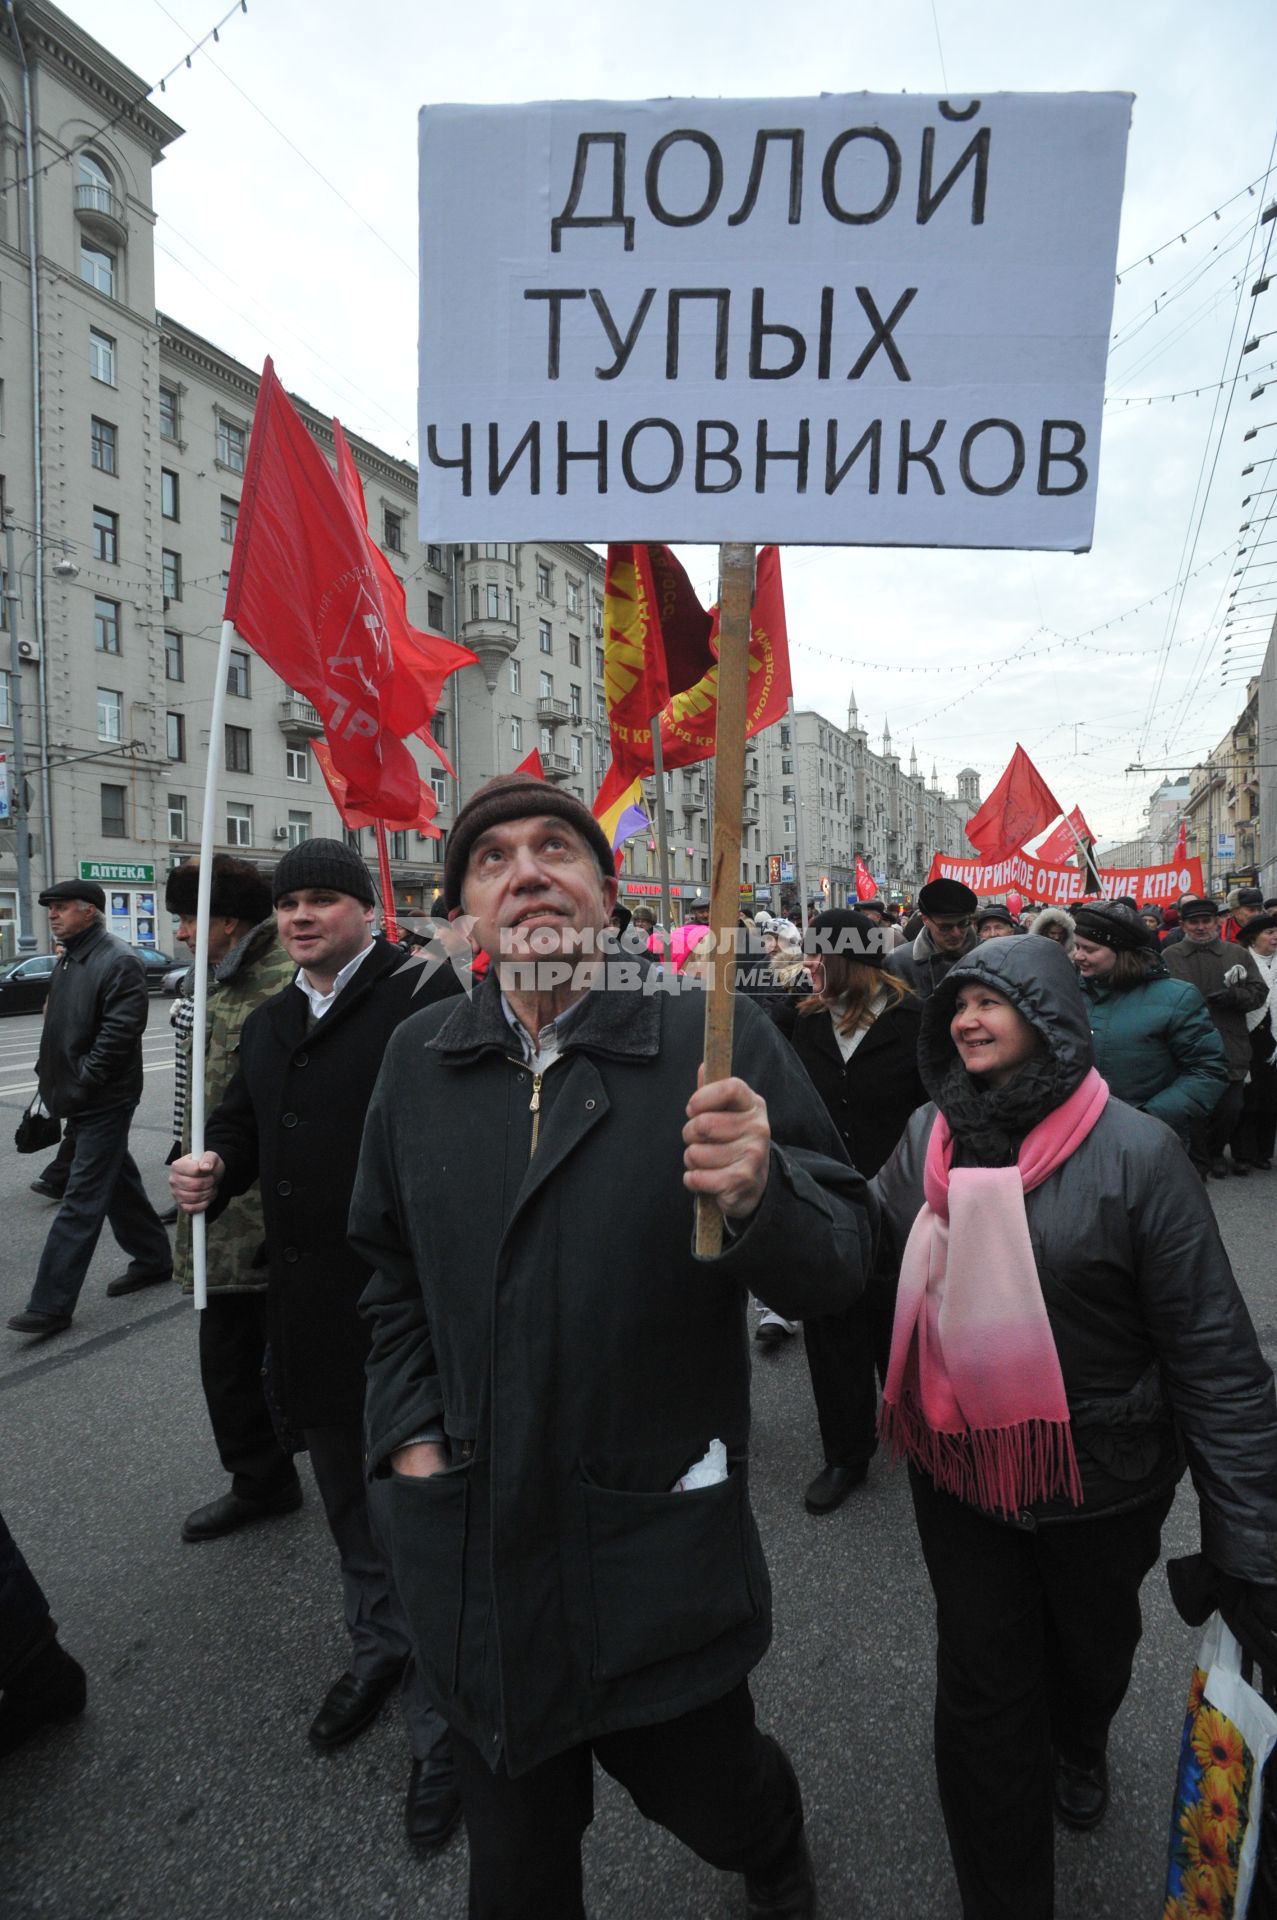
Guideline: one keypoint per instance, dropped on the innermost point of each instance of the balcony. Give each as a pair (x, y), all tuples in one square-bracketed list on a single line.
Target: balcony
[(298, 716), (552, 713), (749, 813), (751, 778), (557, 766), (101, 212)]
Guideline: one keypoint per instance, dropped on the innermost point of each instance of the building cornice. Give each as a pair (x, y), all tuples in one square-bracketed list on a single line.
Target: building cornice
[(47, 34)]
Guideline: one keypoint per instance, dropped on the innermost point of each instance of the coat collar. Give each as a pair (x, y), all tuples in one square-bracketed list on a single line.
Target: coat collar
[(620, 1023), (290, 1008)]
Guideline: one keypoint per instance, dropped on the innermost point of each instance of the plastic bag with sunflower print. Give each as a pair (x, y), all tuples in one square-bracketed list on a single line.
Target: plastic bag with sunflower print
[(1229, 1732)]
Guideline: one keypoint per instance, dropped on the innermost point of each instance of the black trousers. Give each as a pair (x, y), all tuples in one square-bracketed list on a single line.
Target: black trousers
[(104, 1185), (1037, 1637), (24, 1611), (842, 1352), (725, 1789), (1209, 1137), (232, 1341)]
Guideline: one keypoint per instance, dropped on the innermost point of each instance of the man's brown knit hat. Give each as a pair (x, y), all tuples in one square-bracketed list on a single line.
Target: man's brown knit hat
[(517, 796)]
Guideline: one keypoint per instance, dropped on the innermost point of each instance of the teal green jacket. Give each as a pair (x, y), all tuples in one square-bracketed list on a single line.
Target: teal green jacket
[(1157, 1047)]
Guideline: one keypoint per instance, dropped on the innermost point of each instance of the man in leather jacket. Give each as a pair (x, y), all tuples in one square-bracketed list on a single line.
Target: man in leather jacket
[(90, 1071)]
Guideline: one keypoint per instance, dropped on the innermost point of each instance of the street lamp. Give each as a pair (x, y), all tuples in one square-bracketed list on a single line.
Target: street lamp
[(19, 812)]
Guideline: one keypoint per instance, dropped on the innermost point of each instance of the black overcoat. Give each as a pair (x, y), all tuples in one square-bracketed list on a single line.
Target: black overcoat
[(869, 1096)]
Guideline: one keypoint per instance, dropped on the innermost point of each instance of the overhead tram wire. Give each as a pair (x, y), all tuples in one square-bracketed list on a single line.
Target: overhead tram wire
[(1193, 532), (1147, 258)]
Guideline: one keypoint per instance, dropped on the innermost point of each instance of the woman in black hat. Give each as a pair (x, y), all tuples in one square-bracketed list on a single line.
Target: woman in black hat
[(1155, 1043), (1255, 1133), (856, 1033)]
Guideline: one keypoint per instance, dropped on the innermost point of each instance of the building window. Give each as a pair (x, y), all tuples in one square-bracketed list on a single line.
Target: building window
[(392, 536), (231, 442), (175, 735), (516, 733), (354, 838), (516, 674), (439, 726), (434, 558), (494, 601), (574, 702), (97, 268), (239, 824), (543, 580), (297, 763), (398, 846), (171, 572), (113, 826), (298, 827), (177, 816), (545, 638), (573, 592), (547, 740), (578, 760), (229, 519), (786, 766), (168, 494), (574, 649), (239, 750), (110, 714), (784, 736), (509, 604), (598, 663), (102, 357), (439, 785), (106, 625), (6, 711), (106, 536), (174, 663), (237, 673), (474, 602), (434, 612), (104, 445), (170, 416), (545, 687), (600, 709)]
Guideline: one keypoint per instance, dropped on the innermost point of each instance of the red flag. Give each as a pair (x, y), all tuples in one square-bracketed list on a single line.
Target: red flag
[(656, 642), (1181, 842), (304, 594), (422, 661), (689, 723), (1020, 805), (532, 765), (1063, 843), (426, 804), (866, 885)]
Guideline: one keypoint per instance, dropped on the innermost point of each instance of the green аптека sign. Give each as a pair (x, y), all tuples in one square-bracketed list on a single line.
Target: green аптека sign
[(113, 872)]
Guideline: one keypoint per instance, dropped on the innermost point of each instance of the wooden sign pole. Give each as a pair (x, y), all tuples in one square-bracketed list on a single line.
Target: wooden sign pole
[(735, 602)]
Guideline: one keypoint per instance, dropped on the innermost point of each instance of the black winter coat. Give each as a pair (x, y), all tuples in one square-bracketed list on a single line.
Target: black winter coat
[(545, 1305), (921, 966), (91, 1041), (1203, 963), (1154, 1340), (870, 1096), (294, 1116)]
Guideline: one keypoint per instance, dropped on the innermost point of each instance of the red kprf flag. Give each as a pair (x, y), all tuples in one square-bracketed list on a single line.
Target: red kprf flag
[(305, 595), (866, 885), (1020, 806), (1063, 843), (1181, 842), (426, 804)]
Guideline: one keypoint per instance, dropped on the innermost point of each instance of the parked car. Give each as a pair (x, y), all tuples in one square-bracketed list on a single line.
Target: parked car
[(24, 983), (157, 965), (176, 974)]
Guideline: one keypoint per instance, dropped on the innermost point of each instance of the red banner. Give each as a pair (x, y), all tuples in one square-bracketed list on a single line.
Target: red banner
[(1055, 886)]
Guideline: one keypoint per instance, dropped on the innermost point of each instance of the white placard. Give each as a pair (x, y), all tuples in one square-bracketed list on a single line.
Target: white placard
[(863, 319)]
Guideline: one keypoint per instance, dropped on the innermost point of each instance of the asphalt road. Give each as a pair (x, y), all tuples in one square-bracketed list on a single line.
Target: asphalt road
[(188, 1789)]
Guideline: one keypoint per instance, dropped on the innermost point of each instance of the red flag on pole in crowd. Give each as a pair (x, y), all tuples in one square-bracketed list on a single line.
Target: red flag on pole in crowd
[(866, 885), (655, 643), (689, 721), (422, 819), (422, 661), (1063, 843), (1181, 842), (1020, 806), (532, 765)]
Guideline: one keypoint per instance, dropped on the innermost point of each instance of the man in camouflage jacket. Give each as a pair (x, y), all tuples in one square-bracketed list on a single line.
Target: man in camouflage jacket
[(247, 965)]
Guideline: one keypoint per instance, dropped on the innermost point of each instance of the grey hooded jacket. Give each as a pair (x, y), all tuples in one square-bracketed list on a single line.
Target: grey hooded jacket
[(1155, 1343)]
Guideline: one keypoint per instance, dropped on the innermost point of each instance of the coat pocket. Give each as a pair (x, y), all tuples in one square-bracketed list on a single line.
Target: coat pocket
[(667, 1572), (428, 1519)]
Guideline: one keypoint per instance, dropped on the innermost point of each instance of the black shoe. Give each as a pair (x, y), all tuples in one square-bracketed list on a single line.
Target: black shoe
[(1263, 1166), (433, 1806), (169, 1219), (131, 1282), (49, 1686), (49, 1191), (230, 1513), (45, 1324), (1081, 1793), (832, 1485), (788, 1892), (769, 1335), (1219, 1167), (349, 1706)]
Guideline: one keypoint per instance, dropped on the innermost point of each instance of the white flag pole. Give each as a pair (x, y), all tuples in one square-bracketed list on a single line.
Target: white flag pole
[(204, 900)]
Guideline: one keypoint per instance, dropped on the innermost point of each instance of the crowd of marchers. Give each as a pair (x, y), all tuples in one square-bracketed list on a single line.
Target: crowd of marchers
[(534, 1460)]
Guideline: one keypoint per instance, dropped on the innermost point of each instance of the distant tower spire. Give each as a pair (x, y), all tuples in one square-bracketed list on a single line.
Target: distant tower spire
[(886, 737), (853, 712), (913, 762), (935, 778)]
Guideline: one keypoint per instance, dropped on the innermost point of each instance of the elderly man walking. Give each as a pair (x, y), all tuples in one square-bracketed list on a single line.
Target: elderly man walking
[(564, 1430), (1232, 986), (90, 1070), (293, 1116)]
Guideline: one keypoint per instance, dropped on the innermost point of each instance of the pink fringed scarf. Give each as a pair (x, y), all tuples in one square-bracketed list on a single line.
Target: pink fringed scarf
[(974, 1392)]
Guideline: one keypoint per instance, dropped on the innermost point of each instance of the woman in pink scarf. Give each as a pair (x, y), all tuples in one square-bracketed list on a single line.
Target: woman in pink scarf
[(1067, 1330)]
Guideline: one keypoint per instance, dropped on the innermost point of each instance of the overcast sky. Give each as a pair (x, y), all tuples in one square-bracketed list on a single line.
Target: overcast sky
[(298, 238)]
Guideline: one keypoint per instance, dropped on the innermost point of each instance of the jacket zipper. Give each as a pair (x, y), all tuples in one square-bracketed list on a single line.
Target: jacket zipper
[(534, 1107)]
